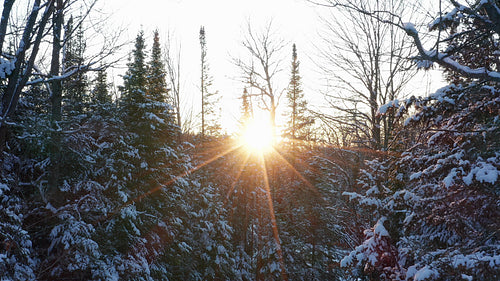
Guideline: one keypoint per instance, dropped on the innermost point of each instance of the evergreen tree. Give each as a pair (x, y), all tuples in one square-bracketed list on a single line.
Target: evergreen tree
[(134, 85), (146, 218), (157, 85), (210, 113), (246, 107), (100, 93), (75, 88), (145, 113), (298, 123)]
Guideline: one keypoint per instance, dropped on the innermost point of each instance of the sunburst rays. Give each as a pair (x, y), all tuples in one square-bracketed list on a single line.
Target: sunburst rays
[(273, 157)]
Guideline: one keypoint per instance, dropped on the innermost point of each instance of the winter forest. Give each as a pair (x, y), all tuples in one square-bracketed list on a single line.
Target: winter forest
[(113, 178)]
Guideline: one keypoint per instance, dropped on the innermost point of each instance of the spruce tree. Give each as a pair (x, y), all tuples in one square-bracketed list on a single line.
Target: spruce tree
[(298, 125), (144, 111), (210, 113), (147, 169)]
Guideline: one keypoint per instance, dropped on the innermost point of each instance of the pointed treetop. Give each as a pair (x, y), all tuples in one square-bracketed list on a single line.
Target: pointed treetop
[(294, 52), (202, 33)]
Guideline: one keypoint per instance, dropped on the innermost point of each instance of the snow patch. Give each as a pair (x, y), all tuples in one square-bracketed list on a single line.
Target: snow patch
[(449, 180), (383, 109), (379, 228), (484, 172), (424, 274), (467, 277), (410, 28), (6, 67), (3, 188), (415, 175)]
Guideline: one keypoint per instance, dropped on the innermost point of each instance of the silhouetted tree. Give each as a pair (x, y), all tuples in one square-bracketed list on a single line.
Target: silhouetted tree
[(298, 126), (210, 113)]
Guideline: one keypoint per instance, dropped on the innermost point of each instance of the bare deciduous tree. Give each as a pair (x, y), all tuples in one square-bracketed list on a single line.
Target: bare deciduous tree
[(486, 12), (19, 63), (173, 64), (260, 71), (18, 66), (367, 65)]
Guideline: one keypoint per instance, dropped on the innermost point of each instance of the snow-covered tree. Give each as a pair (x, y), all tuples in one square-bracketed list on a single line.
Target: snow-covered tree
[(157, 85), (437, 202)]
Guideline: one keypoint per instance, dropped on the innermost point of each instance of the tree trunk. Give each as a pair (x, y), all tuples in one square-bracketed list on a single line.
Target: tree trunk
[(20, 75), (56, 99), (7, 7)]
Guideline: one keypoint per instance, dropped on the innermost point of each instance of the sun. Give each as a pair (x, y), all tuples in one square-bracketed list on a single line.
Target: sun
[(258, 135)]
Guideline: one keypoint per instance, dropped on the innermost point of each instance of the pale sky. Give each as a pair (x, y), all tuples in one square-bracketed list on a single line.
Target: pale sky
[(296, 21)]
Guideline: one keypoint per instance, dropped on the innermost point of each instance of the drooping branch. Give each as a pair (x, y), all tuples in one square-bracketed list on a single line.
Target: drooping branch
[(490, 20)]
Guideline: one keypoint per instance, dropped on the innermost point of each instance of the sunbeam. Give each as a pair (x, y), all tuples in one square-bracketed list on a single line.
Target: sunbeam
[(295, 172), (273, 217), (240, 171), (173, 180)]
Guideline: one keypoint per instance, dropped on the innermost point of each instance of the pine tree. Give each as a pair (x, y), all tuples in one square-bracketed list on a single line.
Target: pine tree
[(210, 113), (298, 123)]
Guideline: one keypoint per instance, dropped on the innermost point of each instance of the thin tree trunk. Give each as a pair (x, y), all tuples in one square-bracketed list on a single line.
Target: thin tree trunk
[(7, 8), (20, 75), (56, 98)]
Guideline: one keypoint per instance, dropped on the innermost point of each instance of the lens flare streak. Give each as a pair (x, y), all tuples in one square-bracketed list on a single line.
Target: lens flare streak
[(273, 218)]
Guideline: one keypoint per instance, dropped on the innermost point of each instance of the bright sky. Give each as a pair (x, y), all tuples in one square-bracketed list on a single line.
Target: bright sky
[(296, 21)]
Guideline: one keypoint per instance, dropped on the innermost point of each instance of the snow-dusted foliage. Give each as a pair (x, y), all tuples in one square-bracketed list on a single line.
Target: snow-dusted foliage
[(377, 255), (339, 222), (440, 198), (102, 214), (454, 171), (16, 252)]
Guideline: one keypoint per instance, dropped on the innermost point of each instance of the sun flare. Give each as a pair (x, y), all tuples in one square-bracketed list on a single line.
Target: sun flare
[(258, 135)]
